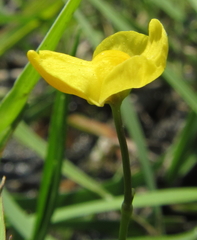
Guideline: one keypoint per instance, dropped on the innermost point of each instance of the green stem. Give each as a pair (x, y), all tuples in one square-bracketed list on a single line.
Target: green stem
[(126, 209)]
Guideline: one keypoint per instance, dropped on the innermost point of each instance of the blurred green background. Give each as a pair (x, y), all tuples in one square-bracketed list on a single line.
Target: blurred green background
[(160, 124)]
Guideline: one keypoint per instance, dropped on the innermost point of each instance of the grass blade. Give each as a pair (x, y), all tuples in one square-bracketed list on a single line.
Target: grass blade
[(193, 4), (148, 199), (157, 198), (108, 11), (181, 87), (92, 35), (14, 102), (2, 224), (52, 168), (27, 137), (12, 36), (17, 217), (23, 223), (168, 7), (180, 149), (19, 25), (135, 131)]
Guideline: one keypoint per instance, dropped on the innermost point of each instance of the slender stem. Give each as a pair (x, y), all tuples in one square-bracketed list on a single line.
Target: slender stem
[(126, 209)]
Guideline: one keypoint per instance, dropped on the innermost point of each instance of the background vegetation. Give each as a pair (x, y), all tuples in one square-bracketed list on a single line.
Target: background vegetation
[(160, 123)]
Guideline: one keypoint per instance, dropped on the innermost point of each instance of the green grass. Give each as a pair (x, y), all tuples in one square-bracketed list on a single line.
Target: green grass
[(162, 165)]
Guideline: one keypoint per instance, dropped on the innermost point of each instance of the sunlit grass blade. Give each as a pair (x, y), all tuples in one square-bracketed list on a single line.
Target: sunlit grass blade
[(92, 35), (180, 150), (2, 224), (17, 217), (46, 9), (52, 168), (12, 35), (193, 3), (156, 198), (80, 177), (178, 83), (111, 14), (14, 102), (168, 7), (147, 199), (28, 138), (19, 25), (20, 221)]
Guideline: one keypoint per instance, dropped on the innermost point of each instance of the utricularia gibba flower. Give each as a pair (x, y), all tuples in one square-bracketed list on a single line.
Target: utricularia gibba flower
[(122, 61)]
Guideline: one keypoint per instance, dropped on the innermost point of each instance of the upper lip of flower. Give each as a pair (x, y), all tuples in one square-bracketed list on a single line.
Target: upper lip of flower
[(122, 61)]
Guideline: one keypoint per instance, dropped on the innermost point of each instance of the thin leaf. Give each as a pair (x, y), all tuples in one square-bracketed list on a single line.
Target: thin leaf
[(148, 199), (181, 86), (157, 198), (135, 131), (52, 168), (193, 3), (108, 11), (27, 137), (14, 102), (179, 151), (16, 216), (92, 35), (2, 224), (168, 6), (21, 221), (20, 25), (12, 34)]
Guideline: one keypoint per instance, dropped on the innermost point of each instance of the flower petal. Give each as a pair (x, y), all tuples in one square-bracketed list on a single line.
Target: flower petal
[(75, 76), (157, 47), (123, 61), (135, 72), (106, 61), (65, 73), (154, 46), (130, 42)]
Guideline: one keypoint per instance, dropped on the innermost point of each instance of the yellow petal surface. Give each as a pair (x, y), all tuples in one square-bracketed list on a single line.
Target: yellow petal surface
[(147, 59), (154, 46), (65, 73), (75, 76), (157, 46), (135, 72), (121, 62), (130, 42)]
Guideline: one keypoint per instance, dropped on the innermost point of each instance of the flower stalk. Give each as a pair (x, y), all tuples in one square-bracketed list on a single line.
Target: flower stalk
[(126, 208)]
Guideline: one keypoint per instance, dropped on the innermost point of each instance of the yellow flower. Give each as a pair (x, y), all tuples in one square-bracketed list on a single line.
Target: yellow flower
[(122, 61)]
